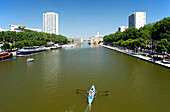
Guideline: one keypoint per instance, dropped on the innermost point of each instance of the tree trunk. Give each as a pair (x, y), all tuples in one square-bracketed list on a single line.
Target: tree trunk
[(152, 45)]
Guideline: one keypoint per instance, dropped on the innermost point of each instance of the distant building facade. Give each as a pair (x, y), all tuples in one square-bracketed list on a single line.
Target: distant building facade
[(19, 28), (37, 30), (96, 39), (122, 28), (50, 23), (137, 19), (75, 39), (2, 30)]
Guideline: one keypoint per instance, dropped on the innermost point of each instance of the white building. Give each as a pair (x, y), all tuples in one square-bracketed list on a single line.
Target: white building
[(96, 39), (19, 28), (75, 39), (15, 27), (2, 30), (137, 19), (37, 30), (122, 28), (12, 28), (50, 23)]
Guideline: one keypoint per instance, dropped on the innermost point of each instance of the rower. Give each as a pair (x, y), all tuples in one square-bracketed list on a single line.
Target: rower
[(91, 93)]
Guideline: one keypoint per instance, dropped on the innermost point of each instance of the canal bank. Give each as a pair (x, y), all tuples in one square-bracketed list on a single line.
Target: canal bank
[(138, 56)]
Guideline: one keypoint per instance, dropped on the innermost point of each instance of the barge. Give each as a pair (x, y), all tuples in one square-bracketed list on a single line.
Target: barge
[(5, 56), (26, 51)]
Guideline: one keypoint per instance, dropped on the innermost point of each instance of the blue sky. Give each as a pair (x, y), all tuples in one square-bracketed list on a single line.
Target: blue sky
[(81, 17)]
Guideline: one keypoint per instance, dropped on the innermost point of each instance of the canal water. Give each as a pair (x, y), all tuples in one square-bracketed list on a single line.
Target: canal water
[(49, 83)]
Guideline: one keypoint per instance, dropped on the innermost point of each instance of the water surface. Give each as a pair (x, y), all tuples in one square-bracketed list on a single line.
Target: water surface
[(49, 83)]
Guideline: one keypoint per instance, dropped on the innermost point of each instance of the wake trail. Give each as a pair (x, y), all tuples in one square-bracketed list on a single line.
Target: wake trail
[(88, 109)]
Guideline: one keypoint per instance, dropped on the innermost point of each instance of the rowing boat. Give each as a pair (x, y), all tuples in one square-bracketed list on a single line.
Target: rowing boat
[(91, 94)]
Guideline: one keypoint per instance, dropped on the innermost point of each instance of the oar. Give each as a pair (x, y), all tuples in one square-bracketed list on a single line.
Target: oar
[(82, 94), (103, 91), (96, 91), (81, 90), (102, 95)]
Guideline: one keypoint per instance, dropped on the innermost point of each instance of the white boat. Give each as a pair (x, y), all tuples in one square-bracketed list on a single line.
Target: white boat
[(68, 46), (30, 59), (29, 50)]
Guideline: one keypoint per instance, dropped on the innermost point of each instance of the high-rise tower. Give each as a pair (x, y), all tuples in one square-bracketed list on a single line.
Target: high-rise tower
[(50, 23), (137, 19)]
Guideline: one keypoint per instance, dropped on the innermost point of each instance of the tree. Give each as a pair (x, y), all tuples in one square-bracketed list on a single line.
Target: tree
[(146, 32), (119, 42), (26, 43), (5, 46), (161, 29), (162, 46), (1, 36), (19, 44), (140, 42), (31, 38), (118, 35), (100, 42), (9, 36), (130, 33)]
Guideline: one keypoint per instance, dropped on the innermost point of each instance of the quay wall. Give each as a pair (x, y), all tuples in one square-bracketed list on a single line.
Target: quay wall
[(167, 65)]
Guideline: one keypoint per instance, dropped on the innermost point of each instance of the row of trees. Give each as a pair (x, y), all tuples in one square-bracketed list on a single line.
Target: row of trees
[(157, 35), (30, 38)]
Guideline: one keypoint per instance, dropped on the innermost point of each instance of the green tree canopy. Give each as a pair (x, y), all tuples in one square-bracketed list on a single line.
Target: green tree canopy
[(162, 46), (5, 46), (145, 35), (31, 38), (161, 29)]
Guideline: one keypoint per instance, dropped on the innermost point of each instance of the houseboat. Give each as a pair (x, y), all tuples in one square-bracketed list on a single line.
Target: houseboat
[(26, 51), (5, 56)]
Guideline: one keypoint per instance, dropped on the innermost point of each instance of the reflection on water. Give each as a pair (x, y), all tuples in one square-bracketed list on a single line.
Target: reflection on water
[(94, 45), (48, 84), (51, 68), (29, 64)]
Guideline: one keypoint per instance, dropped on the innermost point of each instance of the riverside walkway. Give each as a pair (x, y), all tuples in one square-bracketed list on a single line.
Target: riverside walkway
[(165, 64)]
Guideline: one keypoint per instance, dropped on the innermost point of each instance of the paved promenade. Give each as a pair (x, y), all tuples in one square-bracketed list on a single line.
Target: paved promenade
[(165, 64)]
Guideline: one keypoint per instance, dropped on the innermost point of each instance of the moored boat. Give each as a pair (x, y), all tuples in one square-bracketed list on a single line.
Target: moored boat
[(14, 57), (68, 46), (53, 48), (29, 50), (5, 56), (30, 59)]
